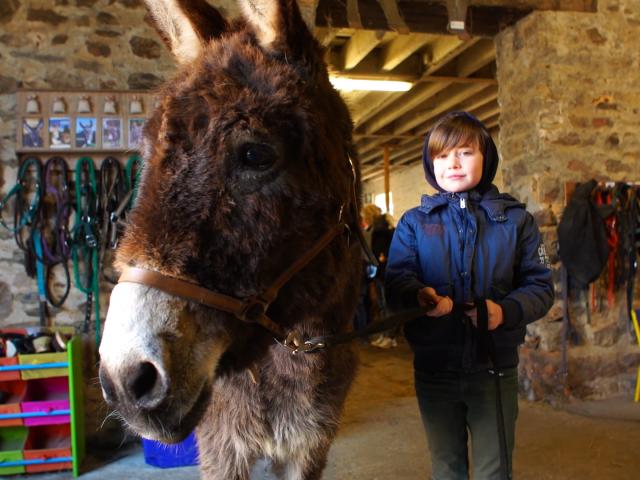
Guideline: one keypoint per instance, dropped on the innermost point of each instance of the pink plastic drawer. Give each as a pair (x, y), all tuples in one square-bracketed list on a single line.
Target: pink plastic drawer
[(46, 395)]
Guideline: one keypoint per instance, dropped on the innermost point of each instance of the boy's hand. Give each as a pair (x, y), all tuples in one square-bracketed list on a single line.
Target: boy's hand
[(495, 315), (427, 298)]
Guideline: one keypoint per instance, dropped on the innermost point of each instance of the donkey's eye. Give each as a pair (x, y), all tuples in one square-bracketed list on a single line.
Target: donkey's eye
[(257, 156)]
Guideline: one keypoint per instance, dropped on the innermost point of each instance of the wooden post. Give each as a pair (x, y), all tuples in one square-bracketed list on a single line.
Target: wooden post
[(386, 177)]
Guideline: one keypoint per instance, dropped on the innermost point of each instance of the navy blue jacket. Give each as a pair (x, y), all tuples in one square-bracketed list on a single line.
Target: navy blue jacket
[(466, 246)]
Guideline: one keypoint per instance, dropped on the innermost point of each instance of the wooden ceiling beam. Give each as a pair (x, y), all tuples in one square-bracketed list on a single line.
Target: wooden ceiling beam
[(353, 14), (372, 104), (489, 94), (476, 57), (484, 20), (358, 46), (410, 155), (369, 67), (492, 122), (370, 150), (400, 48), (414, 98), (444, 101), (442, 50), (373, 154), (394, 17), (411, 100), (557, 5), (467, 95), (398, 151), (488, 110), (441, 98), (387, 136), (445, 78)]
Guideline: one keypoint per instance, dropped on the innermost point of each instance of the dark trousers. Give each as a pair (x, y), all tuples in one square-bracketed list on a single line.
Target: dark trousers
[(455, 405)]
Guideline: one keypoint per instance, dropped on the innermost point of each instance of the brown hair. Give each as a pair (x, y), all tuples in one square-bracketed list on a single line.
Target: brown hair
[(454, 130)]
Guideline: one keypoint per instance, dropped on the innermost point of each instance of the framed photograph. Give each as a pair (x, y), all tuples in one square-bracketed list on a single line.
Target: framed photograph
[(111, 133), (135, 132), (32, 129), (85, 132), (59, 132)]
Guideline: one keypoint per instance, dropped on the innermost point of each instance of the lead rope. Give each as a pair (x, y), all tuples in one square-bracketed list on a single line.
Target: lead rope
[(85, 246), (59, 252), (483, 327), (112, 187), (41, 279)]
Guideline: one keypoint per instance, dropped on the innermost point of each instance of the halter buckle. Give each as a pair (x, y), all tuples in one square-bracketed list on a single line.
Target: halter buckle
[(253, 309), (296, 345), (309, 347)]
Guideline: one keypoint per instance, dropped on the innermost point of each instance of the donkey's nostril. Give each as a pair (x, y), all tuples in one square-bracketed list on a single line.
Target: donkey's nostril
[(145, 386), (108, 388)]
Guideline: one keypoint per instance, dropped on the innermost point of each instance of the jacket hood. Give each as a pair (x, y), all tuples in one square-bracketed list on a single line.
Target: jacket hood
[(490, 158)]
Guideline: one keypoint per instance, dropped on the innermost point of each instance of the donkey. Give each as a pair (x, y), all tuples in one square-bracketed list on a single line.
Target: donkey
[(243, 230)]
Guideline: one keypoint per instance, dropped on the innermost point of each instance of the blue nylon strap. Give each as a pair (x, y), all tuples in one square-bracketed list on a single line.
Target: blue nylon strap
[(26, 217), (40, 276), (85, 246)]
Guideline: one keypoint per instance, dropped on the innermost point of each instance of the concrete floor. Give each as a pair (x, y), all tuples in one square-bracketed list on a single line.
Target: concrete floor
[(381, 437)]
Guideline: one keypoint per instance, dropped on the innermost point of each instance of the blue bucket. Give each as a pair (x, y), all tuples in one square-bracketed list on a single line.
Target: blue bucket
[(163, 455)]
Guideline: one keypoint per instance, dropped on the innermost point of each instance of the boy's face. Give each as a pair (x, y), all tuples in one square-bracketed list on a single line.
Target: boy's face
[(458, 169)]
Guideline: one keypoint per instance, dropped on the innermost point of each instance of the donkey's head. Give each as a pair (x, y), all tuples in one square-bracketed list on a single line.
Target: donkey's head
[(246, 167)]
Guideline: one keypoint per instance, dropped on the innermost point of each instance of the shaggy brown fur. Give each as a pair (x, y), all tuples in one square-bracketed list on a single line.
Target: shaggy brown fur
[(246, 167)]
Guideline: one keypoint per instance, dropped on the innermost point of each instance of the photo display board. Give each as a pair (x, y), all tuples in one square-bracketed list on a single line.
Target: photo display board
[(81, 121)]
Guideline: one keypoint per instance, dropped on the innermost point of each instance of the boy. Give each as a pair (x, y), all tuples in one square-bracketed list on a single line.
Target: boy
[(467, 245)]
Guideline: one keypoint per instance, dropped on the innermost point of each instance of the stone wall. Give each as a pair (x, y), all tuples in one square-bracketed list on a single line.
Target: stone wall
[(570, 110), (66, 44)]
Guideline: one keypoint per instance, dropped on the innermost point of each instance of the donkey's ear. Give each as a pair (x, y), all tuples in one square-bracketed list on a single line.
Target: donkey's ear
[(278, 25), (185, 25)]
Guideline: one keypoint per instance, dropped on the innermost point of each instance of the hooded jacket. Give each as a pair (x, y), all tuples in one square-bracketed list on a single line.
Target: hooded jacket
[(471, 245)]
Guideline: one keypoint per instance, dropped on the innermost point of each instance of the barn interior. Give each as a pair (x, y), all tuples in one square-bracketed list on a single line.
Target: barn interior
[(555, 83)]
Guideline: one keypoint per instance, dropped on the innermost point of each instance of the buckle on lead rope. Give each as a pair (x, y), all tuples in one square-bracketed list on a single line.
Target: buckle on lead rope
[(296, 345)]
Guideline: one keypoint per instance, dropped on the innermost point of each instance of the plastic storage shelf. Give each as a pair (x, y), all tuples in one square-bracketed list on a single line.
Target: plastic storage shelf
[(42, 412)]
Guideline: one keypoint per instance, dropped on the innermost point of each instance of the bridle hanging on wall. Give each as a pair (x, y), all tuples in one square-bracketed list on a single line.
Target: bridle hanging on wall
[(42, 205), (59, 251)]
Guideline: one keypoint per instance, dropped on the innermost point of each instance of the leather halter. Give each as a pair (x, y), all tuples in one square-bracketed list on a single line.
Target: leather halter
[(250, 309)]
